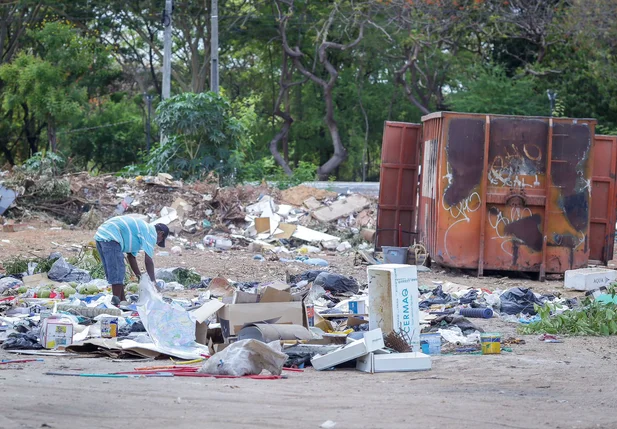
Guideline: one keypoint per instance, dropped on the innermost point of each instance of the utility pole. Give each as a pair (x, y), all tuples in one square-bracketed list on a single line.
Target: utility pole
[(149, 120), (167, 50), (214, 47)]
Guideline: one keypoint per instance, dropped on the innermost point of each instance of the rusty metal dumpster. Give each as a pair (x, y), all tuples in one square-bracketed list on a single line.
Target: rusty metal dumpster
[(603, 198), (506, 192)]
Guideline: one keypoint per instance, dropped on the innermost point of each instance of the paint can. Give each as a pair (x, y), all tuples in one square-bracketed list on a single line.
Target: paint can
[(430, 344), (109, 327), (491, 343), (310, 314)]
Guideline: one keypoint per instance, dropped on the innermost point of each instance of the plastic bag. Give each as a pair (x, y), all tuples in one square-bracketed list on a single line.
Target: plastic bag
[(246, 357), (62, 271), (26, 341), (7, 283), (170, 326), (337, 283), (518, 300)]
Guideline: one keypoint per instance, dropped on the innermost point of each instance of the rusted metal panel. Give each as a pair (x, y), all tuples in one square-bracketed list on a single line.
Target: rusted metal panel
[(603, 198), (489, 204), (398, 184)]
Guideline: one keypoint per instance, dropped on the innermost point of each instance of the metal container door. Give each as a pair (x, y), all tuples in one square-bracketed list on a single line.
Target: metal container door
[(398, 184)]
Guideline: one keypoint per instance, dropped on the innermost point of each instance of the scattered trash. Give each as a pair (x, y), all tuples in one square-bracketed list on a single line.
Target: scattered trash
[(246, 357), (328, 424), (491, 343), (518, 300), (547, 338)]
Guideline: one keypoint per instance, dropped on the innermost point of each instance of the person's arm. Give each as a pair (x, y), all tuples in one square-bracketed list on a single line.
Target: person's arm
[(150, 267), (134, 265)]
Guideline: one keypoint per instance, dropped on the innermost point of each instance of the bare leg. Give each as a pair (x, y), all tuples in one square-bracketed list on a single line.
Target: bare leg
[(118, 290)]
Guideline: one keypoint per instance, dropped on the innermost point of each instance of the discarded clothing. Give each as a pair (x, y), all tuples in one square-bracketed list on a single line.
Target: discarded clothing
[(447, 322), (438, 296)]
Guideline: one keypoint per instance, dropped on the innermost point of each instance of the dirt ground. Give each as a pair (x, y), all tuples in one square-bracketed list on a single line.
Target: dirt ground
[(537, 385)]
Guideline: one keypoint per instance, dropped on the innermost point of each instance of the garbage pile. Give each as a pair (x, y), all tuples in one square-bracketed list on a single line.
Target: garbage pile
[(200, 213), (316, 318)]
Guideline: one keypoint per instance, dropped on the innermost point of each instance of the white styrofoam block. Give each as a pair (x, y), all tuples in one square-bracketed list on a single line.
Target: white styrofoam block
[(373, 340), (394, 362), (393, 300), (585, 279)]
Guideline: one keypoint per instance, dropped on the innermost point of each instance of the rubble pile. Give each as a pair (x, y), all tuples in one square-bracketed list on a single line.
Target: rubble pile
[(244, 213)]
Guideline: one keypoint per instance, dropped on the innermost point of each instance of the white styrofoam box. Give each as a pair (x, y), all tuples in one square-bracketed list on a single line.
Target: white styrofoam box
[(393, 362), (585, 279), (393, 300), (373, 340)]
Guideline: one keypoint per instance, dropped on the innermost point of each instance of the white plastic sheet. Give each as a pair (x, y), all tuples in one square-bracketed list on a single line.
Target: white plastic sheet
[(171, 327)]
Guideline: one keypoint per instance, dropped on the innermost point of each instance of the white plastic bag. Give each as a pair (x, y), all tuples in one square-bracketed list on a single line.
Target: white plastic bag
[(170, 326), (246, 357)]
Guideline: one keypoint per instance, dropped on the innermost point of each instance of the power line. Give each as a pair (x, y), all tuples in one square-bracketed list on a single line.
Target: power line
[(77, 130)]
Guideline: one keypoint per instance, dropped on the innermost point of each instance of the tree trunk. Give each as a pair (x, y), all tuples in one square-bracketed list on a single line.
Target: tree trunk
[(284, 131), (51, 132), (340, 154)]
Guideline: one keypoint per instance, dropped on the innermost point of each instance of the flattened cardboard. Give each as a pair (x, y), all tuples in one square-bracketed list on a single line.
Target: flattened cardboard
[(233, 315), (262, 224), (207, 310), (288, 230), (277, 285), (273, 295), (241, 297)]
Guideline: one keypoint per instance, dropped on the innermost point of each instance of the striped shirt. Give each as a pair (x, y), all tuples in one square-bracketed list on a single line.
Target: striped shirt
[(131, 233)]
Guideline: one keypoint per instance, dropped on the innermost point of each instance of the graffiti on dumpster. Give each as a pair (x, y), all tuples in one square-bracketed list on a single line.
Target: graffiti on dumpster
[(519, 226), (461, 212)]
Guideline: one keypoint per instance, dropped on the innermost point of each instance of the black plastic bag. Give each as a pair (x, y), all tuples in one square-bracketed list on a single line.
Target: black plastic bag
[(337, 284), (308, 276), (27, 341), (517, 300)]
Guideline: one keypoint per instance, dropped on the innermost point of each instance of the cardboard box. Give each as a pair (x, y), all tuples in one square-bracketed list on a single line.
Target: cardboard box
[(393, 362), (56, 333), (373, 340), (393, 300), (234, 316)]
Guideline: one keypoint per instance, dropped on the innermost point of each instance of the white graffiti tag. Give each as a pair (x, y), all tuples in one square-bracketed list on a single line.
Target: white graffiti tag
[(460, 212)]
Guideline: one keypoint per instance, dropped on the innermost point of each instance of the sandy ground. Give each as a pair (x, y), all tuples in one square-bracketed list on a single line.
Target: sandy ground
[(538, 385)]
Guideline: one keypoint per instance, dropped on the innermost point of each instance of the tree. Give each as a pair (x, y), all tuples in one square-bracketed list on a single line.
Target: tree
[(202, 136), (336, 22), (53, 79)]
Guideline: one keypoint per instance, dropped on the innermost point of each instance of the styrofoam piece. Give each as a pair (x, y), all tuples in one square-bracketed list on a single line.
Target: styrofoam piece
[(373, 340), (585, 279), (393, 362), (393, 300)]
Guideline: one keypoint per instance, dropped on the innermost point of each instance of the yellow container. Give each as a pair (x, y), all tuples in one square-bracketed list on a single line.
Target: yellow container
[(491, 343)]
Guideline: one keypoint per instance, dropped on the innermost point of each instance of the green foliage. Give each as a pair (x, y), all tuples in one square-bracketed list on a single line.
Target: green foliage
[(19, 265), (202, 135), (108, 136), (593, 318), (489, 90)]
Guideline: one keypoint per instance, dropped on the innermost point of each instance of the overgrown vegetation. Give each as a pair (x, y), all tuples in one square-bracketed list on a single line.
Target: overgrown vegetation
[(304, 83), (591, 318)]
